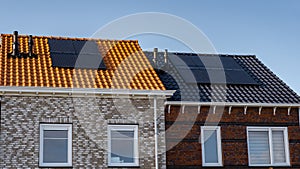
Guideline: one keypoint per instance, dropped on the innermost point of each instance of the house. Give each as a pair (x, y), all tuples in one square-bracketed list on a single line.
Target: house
[(93, 103), (228, 111), (79, 103)]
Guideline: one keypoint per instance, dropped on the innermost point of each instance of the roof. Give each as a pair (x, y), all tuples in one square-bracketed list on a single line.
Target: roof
[(126, 66), (270, 88)]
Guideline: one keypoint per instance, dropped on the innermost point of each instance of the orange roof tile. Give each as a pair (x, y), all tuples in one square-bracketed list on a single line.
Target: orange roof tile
[(126, 67)]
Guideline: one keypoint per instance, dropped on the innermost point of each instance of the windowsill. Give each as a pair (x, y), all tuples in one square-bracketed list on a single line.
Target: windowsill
[(118, 166), (58, 166), (212, 165), (269, 165)]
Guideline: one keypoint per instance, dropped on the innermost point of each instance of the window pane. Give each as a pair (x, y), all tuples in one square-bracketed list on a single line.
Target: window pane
[(122, 134), (259, 147), (55, 134), (55, 150), (278, 147), (210, 146), (122, 147)]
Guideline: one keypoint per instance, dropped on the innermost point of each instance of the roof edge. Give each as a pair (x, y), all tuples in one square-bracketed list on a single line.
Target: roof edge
[(191, 103), (46, 91)]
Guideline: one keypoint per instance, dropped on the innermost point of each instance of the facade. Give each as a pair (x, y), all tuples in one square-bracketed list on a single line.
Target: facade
[(91, 103), (245, 118)]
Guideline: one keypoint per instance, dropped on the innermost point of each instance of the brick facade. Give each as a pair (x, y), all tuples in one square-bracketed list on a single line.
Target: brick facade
[(183, 134), (21, 116)]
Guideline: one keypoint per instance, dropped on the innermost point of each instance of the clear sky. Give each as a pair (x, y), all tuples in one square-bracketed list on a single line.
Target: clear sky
[(269, 29)]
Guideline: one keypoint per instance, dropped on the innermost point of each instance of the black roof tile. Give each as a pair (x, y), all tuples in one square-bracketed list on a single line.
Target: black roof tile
[(271, 89)]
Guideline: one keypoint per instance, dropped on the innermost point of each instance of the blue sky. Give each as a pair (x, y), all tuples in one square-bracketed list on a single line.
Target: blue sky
[(266, 28)]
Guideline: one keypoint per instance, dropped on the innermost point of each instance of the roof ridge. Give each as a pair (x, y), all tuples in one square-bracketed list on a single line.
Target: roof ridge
[(73, 38), (208, 54)]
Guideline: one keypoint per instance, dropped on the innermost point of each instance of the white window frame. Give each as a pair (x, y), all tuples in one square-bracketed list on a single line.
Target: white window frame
[(64, 127), (136, 151), (219, 146), (269, 130)]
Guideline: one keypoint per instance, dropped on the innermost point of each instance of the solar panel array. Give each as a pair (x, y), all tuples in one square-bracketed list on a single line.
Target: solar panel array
[(211, 70), (75, 54)]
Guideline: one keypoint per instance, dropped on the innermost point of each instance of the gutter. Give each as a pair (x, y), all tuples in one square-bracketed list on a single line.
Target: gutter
[(189, 103), (75, 92), (155, 132)]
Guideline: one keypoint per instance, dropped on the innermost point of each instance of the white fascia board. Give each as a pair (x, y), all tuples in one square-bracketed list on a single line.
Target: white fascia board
[(7, 90), (189, 103)]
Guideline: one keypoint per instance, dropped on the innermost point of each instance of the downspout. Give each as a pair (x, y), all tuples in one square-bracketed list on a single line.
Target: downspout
[(155, 131)]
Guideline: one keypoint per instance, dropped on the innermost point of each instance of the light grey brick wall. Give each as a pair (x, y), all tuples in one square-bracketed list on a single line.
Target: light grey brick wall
[(21, 116)]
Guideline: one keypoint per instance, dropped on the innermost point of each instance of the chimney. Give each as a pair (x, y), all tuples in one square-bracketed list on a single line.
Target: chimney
[(30, 44), (15, 44), (155, 52)]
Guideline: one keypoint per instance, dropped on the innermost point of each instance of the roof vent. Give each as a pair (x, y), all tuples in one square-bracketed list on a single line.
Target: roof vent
[(15, 51), (30, 44), (0, 41), (155, 53), (166, 58)]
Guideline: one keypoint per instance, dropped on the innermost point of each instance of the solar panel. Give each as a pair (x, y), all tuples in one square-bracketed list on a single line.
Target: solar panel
[(61, 46), (197, 61), (86, 47), (177, 61), (75, 54), (78, 45), (66, 60), (187, 74), (89, 61), (211, 62), (239, 77), (200, 75), (230, 63), (211, 70)]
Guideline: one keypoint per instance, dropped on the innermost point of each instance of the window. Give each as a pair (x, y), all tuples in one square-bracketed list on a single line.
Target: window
[(55, 145), (123, 145), (211, 146), (268, 146)]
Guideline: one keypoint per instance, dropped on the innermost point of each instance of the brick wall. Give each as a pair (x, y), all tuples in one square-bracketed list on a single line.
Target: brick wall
[(21, 116), (183, 134)]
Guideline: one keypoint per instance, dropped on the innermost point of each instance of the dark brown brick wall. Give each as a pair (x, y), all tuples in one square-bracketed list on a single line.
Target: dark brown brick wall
[(183, 134)]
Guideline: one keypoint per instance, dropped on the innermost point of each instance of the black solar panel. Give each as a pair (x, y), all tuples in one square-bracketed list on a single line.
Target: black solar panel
[(61, 46), (86, 47), (78, 45), (90, 61), (211, 70), (230, 63), (66, 60), (75, 54), (239, 77)]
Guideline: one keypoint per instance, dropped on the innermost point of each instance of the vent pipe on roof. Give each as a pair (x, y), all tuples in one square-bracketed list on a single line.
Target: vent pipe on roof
[(30, 44), (15, 44), (155, 52), (166, 58)]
